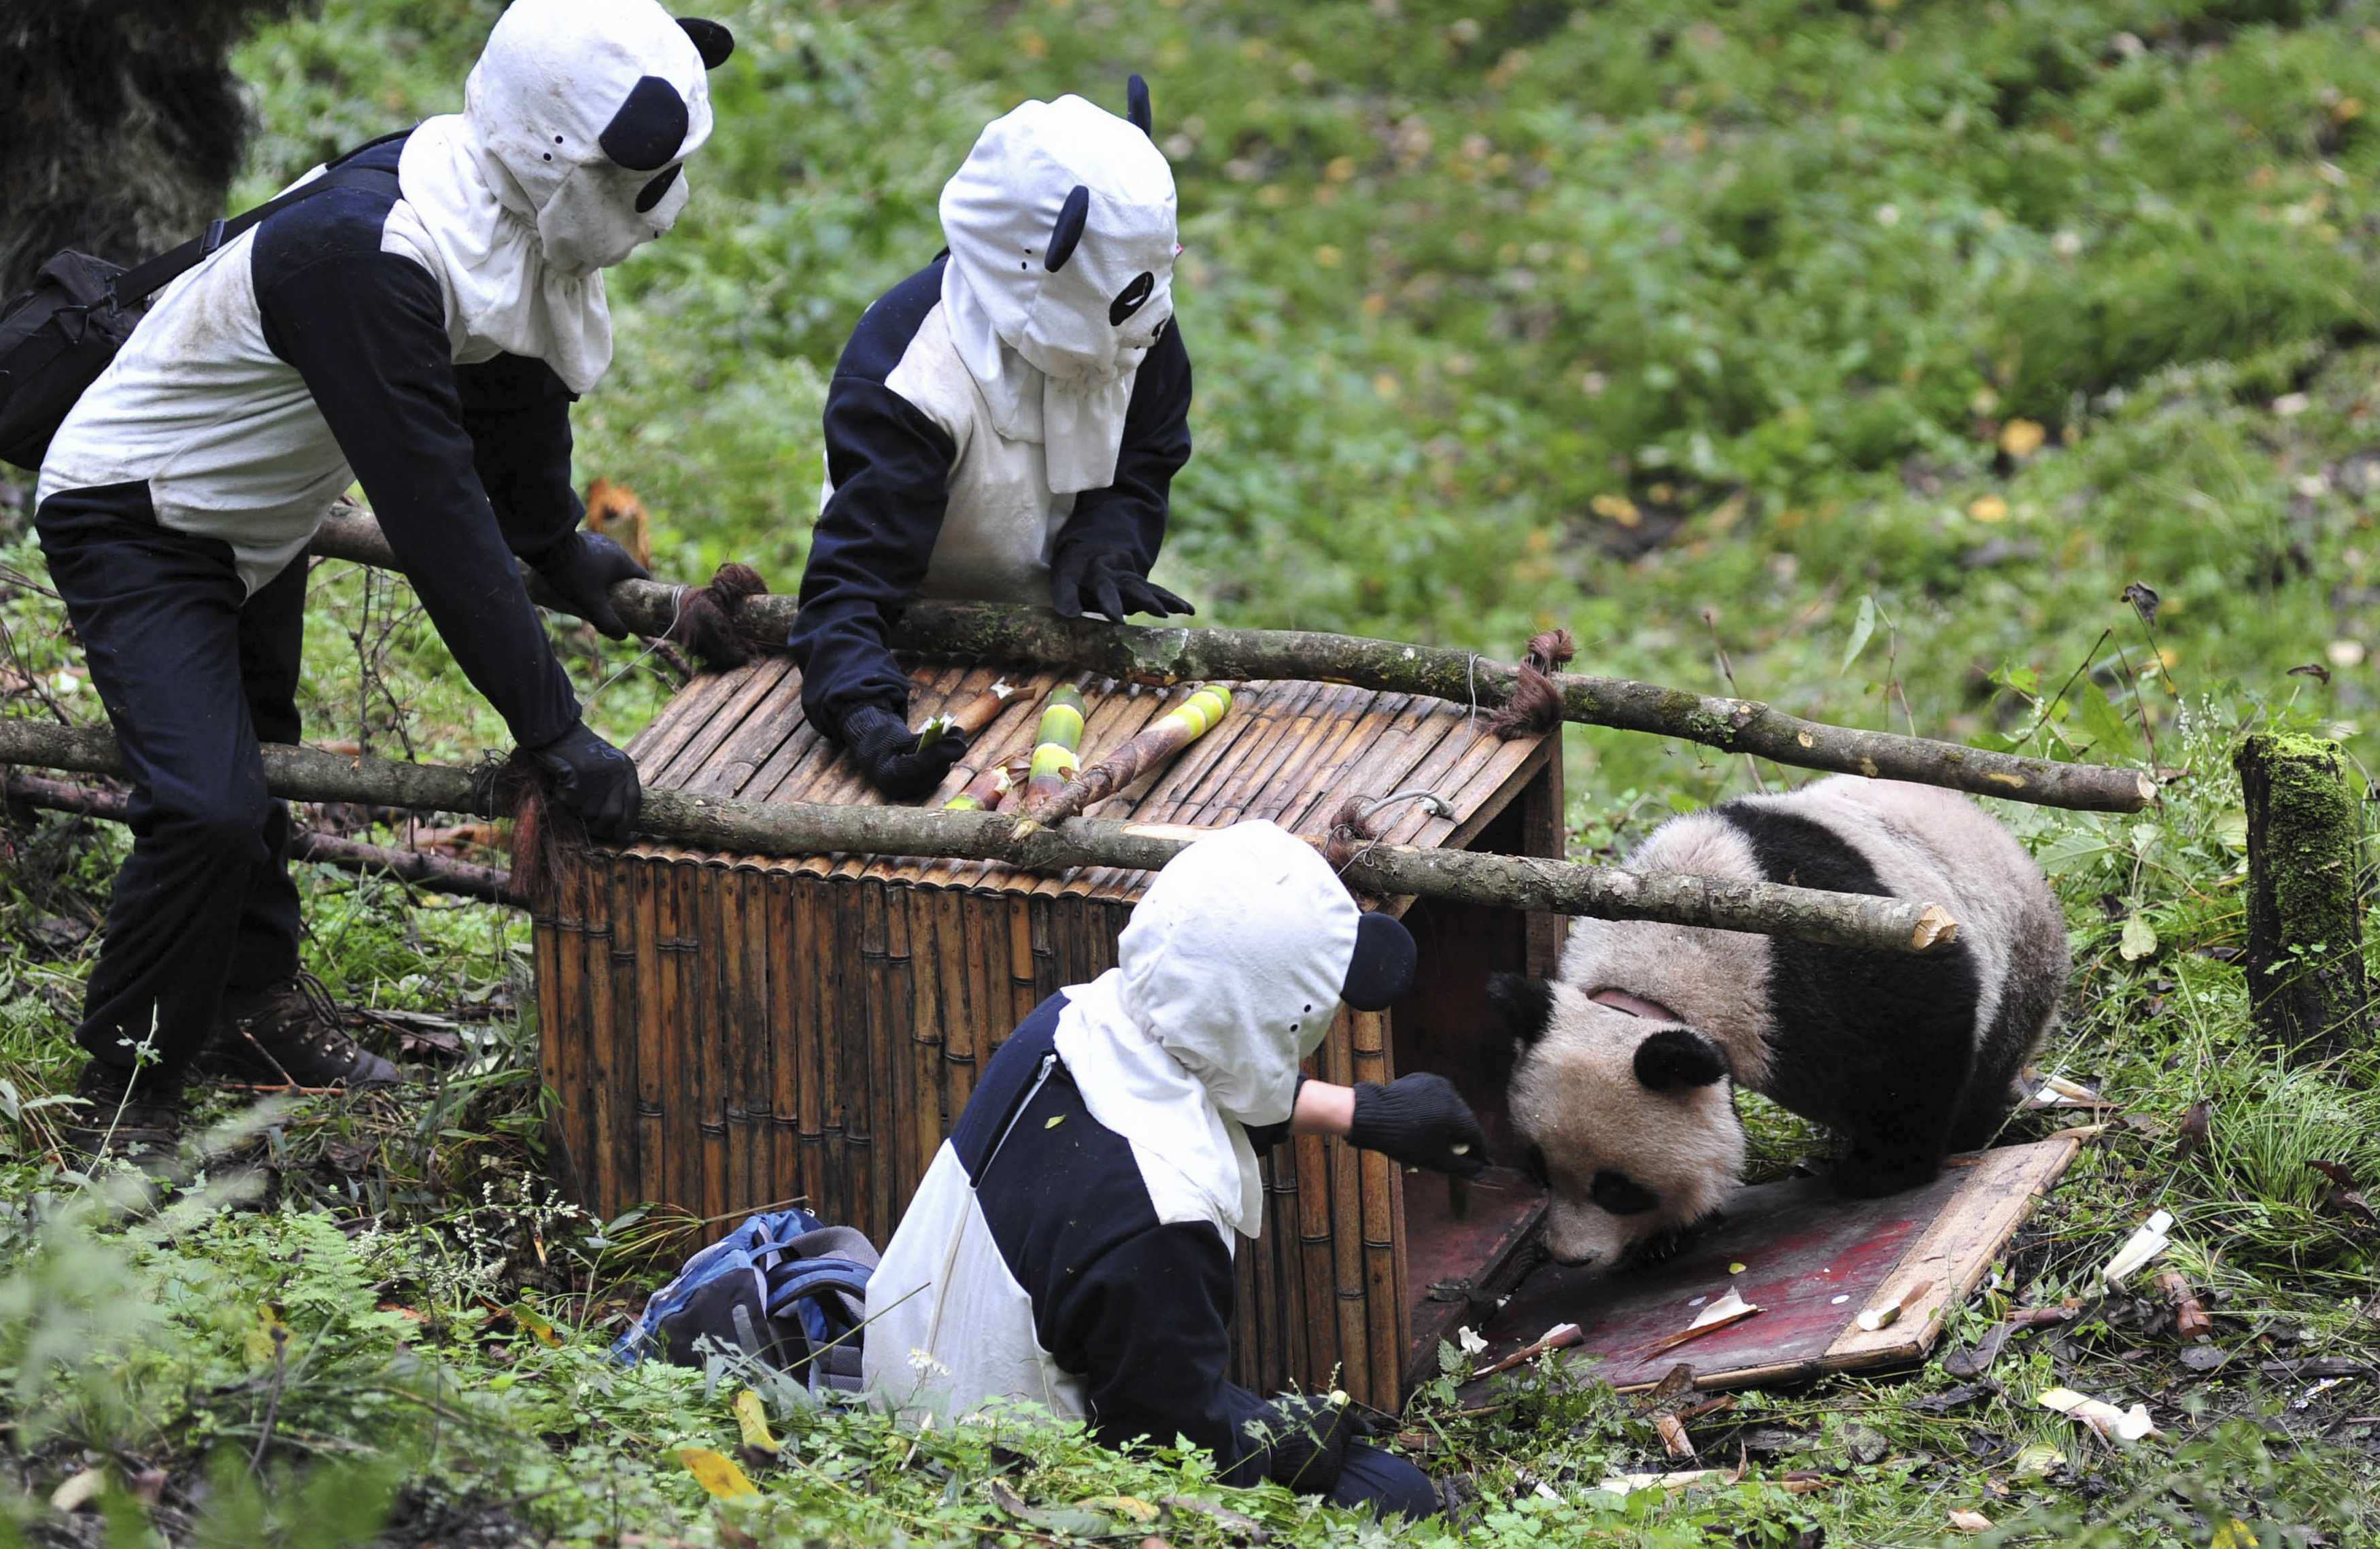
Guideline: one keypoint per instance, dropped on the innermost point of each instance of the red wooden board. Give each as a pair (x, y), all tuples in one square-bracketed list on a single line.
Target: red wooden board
[(1479, 1250), (1813, 1261)]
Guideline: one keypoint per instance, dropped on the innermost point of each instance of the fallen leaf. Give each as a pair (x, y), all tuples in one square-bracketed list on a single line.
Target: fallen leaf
[(2021, 438), (2140, 938), (1223, 1517), (752, 1419), (1561, 1337), (1971, 1521), (537, 1323), (1988, 508), (2190, 1320), (1735, 1269), (1674, 1440), (2342, 1197), (1666, 1394), (1629, 1484), (2310, 670), (1972, 1361), (2195, 1127), (2038, 1461), (2203, 1359), (716, 1473), (1125, 1505), (2144, 600), (1055, 1120), (2233, 1534)]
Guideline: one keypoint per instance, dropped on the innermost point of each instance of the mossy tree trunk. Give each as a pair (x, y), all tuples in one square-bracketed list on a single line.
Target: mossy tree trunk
[(2306, 981)]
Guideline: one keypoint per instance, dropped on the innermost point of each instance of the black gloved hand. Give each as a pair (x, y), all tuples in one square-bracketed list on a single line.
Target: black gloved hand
[(583, 568), (1087, 579), (1308, 1441), (1421, 1121), (592, 779), (888, 752)]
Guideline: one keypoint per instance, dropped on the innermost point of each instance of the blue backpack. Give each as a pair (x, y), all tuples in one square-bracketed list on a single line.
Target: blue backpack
[(784, 1288)]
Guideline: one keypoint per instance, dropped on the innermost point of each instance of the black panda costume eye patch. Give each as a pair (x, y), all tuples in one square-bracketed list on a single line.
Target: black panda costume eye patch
[(1131, 299), (648, 128), (651, 194)]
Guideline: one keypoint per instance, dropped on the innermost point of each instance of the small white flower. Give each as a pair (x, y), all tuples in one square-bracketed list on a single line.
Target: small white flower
[(1339, 1398), (923, 1364), (1473, 1345)]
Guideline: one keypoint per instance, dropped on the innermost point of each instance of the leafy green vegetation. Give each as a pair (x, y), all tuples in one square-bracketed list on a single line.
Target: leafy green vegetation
[(1857, 356)]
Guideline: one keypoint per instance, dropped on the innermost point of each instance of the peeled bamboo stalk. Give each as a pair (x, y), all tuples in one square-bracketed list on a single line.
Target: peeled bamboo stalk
[(1175, 655), (1160, 741), (713, 823), (1060, 733), (971, 717), (985, 792)]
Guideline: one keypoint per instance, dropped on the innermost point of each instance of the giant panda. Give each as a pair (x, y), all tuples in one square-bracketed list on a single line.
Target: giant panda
[(1622, 1094)]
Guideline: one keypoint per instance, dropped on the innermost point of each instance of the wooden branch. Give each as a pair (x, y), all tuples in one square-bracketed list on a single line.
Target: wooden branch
[(439, 874), (1172, 655), (819, 828)]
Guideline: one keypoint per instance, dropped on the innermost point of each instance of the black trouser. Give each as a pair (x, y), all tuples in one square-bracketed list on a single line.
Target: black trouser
[(193, 672), (1386, 1481)]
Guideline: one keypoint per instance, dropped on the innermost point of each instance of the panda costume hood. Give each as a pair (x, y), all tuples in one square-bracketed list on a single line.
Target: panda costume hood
[(1061, 226), (1227, 976), (1071, 1243), (568, 155)]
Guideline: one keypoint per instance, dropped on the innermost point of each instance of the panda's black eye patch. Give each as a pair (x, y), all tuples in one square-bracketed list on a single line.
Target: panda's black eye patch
[(651, 194), (1532, 1162), (1620, 1193), (1131, 299)]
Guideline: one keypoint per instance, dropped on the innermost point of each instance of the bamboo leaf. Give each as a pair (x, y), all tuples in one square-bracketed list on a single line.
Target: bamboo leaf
[(1863, 628)]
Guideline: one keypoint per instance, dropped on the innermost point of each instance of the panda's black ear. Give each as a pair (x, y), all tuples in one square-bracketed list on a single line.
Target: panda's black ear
[(713, 42), (1679, 1058), (1522, 1007), (1136, 106)]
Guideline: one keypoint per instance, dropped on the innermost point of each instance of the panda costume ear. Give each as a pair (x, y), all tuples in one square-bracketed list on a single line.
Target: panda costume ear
[(712, 41), (1068, 229), (1677, 1058), (1136, 106), (1522, 1007)]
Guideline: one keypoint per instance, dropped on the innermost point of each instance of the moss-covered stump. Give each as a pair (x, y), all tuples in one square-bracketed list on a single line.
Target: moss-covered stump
[(2306, 982)]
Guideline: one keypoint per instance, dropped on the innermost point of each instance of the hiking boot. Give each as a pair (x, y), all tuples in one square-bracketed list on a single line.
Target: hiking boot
[(290, 1035), (126, 1114)]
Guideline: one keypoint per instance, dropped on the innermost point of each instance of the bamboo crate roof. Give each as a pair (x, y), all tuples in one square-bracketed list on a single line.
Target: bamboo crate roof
[(1288, 751)]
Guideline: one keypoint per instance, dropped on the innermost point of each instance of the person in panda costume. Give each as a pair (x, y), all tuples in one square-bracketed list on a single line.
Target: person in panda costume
[(1621, 1092), (421, 323), (1071, 1243), (1005, 424)]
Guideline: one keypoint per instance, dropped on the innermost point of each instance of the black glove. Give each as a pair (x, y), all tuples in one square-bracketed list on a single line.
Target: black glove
[(593, 779), (1092, 579), (583, 568), (1308, 1441), (888, 751), (1421, 1121)]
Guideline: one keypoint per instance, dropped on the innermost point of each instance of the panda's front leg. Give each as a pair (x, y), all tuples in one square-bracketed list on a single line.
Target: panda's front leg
[(1867, 1170)]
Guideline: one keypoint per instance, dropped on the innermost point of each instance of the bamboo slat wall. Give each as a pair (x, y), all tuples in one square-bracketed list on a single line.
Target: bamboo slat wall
[(727, 1032)]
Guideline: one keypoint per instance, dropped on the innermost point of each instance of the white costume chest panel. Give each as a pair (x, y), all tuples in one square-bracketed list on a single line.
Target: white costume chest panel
[(1002, 521)]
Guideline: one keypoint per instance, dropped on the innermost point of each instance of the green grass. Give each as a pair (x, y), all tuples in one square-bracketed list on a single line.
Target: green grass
[(1877, 346)]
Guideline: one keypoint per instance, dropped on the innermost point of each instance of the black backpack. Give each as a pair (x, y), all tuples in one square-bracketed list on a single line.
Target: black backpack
[(57, 337)]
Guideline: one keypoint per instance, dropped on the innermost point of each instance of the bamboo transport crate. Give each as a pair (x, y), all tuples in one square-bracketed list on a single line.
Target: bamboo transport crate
[(724, 1032)]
